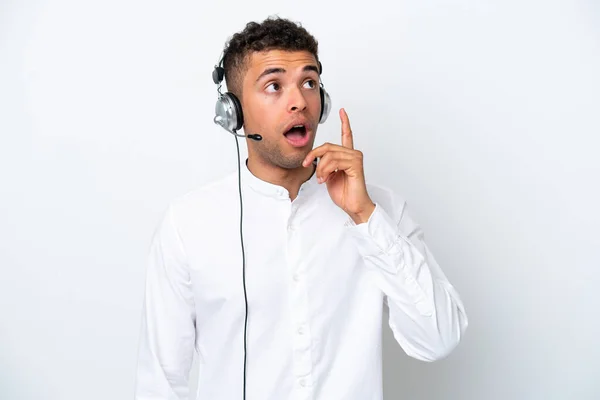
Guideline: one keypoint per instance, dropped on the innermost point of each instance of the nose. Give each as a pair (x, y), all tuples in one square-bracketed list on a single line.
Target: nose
[(296, 100)]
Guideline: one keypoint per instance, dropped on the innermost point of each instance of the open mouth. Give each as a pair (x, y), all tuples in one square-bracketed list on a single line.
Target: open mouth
[(297, 135), (296, 132)]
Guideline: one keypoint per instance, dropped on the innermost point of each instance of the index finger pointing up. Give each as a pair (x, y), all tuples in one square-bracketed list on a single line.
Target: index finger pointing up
[(347, 140)]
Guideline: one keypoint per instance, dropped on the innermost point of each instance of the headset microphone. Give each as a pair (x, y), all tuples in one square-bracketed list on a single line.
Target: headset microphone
[(220, 120)]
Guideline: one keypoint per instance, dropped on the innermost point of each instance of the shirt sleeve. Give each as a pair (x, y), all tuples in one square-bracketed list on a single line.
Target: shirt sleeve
[(167, 338), (426, 314)]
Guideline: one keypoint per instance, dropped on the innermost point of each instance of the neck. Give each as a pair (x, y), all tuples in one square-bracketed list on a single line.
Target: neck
[(290, 179)]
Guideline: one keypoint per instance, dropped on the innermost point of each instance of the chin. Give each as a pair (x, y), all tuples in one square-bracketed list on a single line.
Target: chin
[(282, 155), (292, 162)]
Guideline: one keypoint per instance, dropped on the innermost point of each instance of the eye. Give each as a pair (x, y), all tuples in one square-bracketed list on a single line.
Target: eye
[(273, 87), (310, 84)]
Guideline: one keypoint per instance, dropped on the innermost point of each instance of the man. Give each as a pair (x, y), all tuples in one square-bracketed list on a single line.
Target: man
[(322, 253)]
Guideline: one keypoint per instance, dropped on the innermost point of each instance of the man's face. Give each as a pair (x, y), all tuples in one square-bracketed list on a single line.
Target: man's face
[(281, 102)]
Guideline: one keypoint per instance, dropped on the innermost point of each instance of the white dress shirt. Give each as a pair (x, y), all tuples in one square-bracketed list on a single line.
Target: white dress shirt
[(317, 284)]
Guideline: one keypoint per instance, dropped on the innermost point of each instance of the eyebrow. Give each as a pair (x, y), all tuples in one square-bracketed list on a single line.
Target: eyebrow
[(270, 71)]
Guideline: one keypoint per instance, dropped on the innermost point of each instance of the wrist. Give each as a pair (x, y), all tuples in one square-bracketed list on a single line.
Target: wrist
[(363, 214)]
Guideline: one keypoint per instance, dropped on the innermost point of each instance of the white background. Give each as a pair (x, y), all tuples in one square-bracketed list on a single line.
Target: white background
[(485, 115)]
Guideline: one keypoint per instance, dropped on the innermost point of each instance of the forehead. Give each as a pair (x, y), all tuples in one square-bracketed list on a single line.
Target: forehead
[(288, 60)]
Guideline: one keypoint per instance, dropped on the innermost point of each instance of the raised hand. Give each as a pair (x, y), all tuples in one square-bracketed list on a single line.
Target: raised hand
[(341, 169)]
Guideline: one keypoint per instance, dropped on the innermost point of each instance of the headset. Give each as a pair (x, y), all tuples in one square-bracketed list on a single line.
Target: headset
[(229, 115)]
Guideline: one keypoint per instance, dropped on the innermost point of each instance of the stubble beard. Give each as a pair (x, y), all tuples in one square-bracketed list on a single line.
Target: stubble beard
[(271, 153)]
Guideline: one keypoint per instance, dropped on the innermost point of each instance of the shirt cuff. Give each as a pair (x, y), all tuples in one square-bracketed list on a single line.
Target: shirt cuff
[(378, 239)]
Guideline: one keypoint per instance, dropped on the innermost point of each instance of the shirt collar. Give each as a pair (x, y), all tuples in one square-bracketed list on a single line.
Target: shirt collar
[(271, 189)]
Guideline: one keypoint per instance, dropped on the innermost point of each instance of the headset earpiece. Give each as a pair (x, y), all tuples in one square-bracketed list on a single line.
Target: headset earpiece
[(325, 99), (325, 105), (239, 115), (228, 109), (228, 112)]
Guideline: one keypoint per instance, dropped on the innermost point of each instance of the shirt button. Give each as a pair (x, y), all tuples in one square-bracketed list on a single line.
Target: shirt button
[(302, 383), (296, 277), (300, 331)]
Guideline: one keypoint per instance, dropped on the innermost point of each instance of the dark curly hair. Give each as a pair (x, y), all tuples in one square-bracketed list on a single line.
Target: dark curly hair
[(274, 33)]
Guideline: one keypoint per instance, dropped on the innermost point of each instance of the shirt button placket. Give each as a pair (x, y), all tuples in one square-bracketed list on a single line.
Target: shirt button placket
[(302, 362)]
